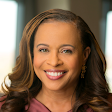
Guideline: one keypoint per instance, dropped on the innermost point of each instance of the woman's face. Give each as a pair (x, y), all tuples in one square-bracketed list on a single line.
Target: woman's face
[(58, 55)]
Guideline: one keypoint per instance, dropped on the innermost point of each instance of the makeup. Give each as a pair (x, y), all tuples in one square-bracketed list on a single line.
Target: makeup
[(53, 74)]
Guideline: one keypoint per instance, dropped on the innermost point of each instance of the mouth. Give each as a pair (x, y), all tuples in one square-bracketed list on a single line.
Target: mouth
[(55, 74)]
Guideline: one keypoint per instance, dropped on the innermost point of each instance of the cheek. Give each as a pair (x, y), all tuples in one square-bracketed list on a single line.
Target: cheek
[(37, 63), (75, 64)]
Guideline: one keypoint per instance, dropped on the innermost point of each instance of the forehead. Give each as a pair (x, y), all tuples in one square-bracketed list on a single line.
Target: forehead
[(60, 23), (57, 30)]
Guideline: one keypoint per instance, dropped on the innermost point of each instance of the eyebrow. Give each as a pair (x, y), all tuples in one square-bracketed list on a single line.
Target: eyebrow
[(43, 45), (60, 46), (67, 45)]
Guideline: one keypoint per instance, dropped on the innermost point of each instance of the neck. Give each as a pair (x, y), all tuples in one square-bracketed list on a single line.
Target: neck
[(56, 100)]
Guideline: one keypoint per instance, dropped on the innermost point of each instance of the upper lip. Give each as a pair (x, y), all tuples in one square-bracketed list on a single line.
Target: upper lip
[(54, 70)]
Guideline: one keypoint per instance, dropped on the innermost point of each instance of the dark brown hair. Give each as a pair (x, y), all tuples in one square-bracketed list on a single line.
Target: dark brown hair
[(91, 91)]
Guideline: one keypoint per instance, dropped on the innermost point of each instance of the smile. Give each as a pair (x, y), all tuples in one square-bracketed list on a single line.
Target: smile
[(55, 74)]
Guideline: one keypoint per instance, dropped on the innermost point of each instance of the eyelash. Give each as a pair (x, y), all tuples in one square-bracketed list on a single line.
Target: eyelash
[(63, 51)]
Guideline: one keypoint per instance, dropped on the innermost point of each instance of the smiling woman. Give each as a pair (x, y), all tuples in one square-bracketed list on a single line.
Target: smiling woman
[(62, 56), (60, 68)]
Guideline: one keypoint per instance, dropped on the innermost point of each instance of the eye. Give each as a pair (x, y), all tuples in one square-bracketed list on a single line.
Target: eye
[(67, 51), (43, 50)]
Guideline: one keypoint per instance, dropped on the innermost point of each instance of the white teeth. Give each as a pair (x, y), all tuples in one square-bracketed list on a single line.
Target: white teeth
[(58, 73), (54, 73)]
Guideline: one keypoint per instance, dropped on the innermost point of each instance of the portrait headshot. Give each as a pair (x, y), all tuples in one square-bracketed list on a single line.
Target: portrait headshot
[(60, 68)]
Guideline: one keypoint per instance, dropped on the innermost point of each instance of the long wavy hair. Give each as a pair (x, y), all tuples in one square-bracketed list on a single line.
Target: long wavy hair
[(92, 90)]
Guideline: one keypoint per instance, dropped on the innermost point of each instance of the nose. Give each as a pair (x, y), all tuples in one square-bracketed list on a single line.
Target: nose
[(54, 59)]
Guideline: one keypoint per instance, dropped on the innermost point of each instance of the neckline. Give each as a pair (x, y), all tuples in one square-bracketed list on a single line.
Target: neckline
[(41, 104), (45, 106)]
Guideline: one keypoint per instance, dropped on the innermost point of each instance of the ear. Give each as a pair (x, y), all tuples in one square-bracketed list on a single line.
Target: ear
[(86, 53)]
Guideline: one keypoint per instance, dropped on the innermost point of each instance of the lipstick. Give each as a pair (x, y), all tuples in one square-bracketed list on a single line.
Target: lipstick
[(53, 74)]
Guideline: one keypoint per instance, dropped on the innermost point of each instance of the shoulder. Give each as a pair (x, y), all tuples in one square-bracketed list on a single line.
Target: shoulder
[(109, 99), (36, 106), (1, 101)]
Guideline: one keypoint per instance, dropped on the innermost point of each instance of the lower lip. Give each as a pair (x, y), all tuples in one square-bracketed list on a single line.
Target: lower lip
[(54, 77)]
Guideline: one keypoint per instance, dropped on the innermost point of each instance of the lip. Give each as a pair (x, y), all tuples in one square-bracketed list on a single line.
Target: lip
[(54, 70), (55, 77)]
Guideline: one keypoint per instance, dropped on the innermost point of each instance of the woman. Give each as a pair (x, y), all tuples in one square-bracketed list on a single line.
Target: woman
[(60, 68)]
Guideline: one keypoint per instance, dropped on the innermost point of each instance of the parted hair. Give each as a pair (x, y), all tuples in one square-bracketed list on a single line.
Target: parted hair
[(92, 90)]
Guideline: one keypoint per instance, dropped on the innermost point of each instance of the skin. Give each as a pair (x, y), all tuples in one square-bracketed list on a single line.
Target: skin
[(57, 46)]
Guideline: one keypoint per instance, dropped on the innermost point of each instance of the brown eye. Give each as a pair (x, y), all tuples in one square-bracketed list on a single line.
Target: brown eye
[(67, 51), (43, 50)]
